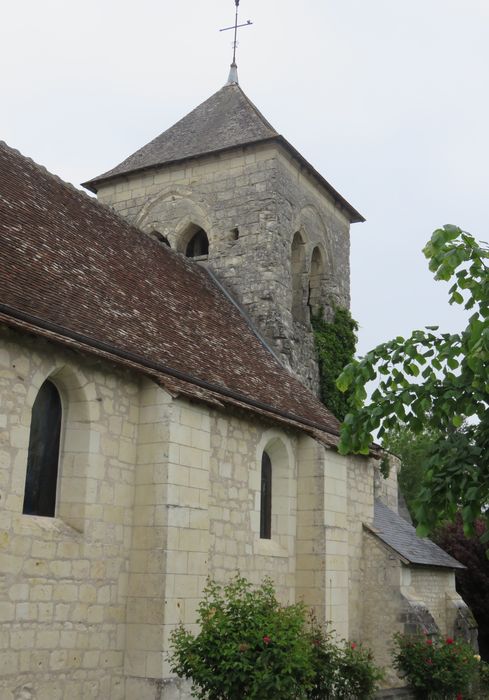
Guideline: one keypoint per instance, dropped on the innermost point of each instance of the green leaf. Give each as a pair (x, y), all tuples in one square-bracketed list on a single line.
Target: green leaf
[(457, 298), (422, 531)]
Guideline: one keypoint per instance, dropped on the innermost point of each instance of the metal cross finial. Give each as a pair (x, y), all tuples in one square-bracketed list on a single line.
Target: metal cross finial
[(236, 26)]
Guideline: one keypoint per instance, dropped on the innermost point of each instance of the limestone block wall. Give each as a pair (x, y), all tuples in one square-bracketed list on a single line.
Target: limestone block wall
[(237, 446), (303, 208), (154, 494), (170, 553), (63, 580), (212, 509), (434, 587), (360, 509), (404, 599), (337, 570), (250, 202), (381, 617), (311, 540)]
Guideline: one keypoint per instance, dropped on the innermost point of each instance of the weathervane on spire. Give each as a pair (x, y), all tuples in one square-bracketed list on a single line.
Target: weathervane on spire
[(233, 73)]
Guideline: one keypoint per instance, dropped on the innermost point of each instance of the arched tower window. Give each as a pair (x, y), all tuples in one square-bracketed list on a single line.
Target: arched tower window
[(43, 455), (198, 244), (315, 281), (297, 265), (266, 498)]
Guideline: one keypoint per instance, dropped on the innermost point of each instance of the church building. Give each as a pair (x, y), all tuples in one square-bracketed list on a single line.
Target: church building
[(159, 413)]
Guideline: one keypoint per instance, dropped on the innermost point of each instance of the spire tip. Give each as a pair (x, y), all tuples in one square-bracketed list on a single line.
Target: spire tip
[(233, 74)]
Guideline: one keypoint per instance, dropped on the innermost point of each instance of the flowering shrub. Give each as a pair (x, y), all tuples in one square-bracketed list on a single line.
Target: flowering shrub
[(250, 647), (437, 669), (340, 672)]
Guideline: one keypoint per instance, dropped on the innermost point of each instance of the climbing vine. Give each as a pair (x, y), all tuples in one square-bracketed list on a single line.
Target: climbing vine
[(335, 346)]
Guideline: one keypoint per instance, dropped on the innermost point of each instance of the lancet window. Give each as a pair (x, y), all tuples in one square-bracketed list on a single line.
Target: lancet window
[(43, 453), (266, 498)]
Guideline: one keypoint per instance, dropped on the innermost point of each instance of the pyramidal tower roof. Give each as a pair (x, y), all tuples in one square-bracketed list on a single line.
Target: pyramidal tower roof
[(228, 119)]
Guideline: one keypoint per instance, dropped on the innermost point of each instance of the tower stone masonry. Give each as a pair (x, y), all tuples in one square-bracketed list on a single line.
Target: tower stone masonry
[(278, 233)]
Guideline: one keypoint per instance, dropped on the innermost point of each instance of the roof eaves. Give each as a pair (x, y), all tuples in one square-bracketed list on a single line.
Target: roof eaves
[(394, 532), (411, 562), (353, 215), (16, 318), (96, 182)]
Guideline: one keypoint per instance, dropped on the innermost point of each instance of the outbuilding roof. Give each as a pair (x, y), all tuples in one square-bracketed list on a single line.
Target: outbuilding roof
[(75, 272), (400, 536), (228, 119)]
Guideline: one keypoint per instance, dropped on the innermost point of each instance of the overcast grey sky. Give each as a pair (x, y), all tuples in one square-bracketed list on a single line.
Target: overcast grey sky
[(388, 99)]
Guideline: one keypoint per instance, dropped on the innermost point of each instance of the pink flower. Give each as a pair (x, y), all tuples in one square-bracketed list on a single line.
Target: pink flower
[(449, 640), (353, 645), (429, 641), (266, 639)]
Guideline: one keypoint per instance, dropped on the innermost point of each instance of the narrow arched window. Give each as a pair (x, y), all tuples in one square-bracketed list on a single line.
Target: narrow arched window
[(315, 282), (198, 245), (266, 498), (43, 455), (297, 264)]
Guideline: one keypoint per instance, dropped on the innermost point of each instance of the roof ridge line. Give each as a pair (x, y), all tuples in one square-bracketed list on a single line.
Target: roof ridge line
[(65, 183), (255, 108), (94, 201)]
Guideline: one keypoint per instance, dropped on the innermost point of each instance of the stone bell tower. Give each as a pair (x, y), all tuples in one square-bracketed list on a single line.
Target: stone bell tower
[(222, 186)]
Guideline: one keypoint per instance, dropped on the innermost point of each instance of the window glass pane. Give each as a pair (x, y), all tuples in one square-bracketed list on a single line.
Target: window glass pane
[(266, 498), (43, 455)]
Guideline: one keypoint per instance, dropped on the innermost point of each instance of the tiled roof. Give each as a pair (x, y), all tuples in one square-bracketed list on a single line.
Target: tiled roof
[(227, 119), (398, 534), (72, 270)]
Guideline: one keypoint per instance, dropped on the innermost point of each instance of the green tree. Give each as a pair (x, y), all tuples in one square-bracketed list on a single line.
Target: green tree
[(335, 346), (472, 582), (413, 450), (438, 380)]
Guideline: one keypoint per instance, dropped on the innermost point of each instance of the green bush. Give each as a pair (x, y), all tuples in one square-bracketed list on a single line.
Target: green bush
[(340, 672), (482, 683), (436, 668), (252, 647)]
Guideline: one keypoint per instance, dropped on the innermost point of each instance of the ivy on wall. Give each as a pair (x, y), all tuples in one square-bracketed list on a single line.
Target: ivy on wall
[(335, 346)]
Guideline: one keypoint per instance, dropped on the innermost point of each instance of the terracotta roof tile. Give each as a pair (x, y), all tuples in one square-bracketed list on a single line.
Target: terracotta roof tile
[(72, 268)]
